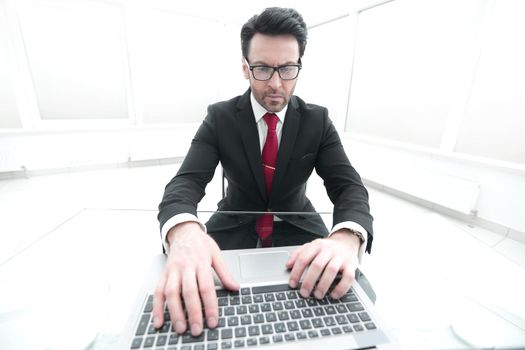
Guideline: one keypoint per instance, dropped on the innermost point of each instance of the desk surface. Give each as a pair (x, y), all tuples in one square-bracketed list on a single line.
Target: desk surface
[(79, 282)]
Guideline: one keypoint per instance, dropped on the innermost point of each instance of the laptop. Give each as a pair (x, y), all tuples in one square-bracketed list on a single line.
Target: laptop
[(265, 313)]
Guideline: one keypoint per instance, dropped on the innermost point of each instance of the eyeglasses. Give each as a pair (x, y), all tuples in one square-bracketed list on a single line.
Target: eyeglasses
[(286, 72)]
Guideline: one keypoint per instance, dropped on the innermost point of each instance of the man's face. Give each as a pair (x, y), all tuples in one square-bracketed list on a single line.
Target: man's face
[(272, 51)]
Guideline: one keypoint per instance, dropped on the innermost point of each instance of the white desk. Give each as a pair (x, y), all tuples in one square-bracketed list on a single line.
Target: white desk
[(79, 282)]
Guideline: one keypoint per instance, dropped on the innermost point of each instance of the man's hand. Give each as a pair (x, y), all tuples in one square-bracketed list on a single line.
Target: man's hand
[(188, 275), (325, 258)]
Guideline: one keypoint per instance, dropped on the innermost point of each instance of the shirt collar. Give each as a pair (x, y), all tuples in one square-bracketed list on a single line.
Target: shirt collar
[(259, 111)]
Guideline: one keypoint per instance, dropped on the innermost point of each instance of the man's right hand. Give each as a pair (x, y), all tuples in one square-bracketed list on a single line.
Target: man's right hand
[(188, 276)]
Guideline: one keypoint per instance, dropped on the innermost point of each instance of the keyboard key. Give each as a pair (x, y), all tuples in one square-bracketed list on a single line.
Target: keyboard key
[(347, 329), (292, 326), (272, 288), (186, 347), (280, 296), (313, 334), (245, 291), (277, 306), (235, 300), (354, 307), (239, 343), (370, 326), (240, 332), (149, 342), (311, 302), (277, 338), (213, 334), (279, 327), (330, 310), (213, 346), (173, 339), (289, 305), (233, 321), (266, 307), (152, 329), (300, 335), (300, 303), (325, 332), (289, 337), (222, 301), (341, 319), (305, 324), (283, 315), (229, 311), (253, 331), (258, 298), (253, 308), (318, 311), (336, 330), (307, 313), (136, 343), (143, 324), (222, 322), (226, 344), (271, 317), (161, 340), (198, 347), (292, 294), (264, 340), (267, 329), (221, 293), (317, 323), (364, 316), (358, 328), (259, 318), (341, 308), (269, 297), (247, 299), (246, 320), (323, 301), (226, 333), (348, 298), (149, 304), (329, 321), (251, 342), (353, 318), (295, 314), (188, 338), (241, 310)]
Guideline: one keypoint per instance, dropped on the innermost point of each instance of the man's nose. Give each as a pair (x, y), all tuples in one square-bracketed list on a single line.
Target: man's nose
[(275, 81)]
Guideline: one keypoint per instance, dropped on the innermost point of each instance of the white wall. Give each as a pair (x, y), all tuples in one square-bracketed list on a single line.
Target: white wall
[(435, 85)]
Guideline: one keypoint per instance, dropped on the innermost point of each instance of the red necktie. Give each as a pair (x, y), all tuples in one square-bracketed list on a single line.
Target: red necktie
[(264, 223)]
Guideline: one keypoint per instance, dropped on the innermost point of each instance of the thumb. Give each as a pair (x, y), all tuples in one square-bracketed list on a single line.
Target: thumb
[(222, 271)]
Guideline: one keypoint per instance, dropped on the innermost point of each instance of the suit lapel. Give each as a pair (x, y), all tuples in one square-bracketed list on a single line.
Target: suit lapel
[(286, 146), (250, 139)]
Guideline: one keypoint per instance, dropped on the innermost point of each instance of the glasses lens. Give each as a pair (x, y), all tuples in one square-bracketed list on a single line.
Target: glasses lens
[(288, 72), (262, 73)]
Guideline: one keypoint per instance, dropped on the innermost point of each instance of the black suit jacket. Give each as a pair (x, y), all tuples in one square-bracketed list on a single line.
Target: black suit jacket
[(309, 141)]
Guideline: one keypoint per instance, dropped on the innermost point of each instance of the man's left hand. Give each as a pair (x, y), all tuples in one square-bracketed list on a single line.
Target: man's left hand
[(325, 258)]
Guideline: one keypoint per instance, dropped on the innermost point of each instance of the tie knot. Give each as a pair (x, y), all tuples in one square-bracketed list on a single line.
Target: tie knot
[(271, 120)]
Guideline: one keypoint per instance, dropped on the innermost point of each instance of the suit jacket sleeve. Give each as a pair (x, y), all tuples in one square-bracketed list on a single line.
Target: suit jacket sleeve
[(187, 188), (343, 184)]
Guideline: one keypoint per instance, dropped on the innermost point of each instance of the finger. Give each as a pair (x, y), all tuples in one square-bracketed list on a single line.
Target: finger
[(172, 290), (303, 260), (158, 302), (208, 296), (190, 292), (328, 276), (347, 278), (291, 260), (314, 272), (219, 265)]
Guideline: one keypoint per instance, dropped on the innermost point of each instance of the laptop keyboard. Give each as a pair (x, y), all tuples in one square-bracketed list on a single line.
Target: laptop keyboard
[(256, 316)]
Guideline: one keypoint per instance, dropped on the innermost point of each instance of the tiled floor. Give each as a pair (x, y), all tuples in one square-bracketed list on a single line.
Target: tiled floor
[(422, 265)]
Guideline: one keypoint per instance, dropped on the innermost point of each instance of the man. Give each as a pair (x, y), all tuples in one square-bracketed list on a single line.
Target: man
[(244, 134)]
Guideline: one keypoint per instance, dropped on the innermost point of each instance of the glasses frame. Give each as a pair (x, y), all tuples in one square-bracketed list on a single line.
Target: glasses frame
[(275, 69)]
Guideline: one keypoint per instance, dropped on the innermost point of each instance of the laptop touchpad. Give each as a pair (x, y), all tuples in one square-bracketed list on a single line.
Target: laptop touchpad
[(264, 265)]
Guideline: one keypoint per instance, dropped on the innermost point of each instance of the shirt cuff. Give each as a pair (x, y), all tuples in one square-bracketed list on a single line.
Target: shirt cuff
[(175, 220), (353, 226)]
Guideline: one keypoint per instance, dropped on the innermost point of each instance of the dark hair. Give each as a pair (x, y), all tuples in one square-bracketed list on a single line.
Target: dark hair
[(275, 21)]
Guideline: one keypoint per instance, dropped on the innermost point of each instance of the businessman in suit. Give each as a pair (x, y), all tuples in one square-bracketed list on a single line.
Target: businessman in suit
[(268, 142)]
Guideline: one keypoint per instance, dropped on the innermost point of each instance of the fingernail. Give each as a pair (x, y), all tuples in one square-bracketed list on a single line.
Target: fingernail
[(212, 322), (318, 294), (304, 293), (195, 329), (293, 284), (179, 327)]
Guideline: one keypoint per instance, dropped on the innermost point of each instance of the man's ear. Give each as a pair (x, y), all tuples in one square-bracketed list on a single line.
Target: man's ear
[(245, 69)]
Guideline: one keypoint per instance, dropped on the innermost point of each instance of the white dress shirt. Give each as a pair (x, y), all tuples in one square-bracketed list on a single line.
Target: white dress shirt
[(259, 112)]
